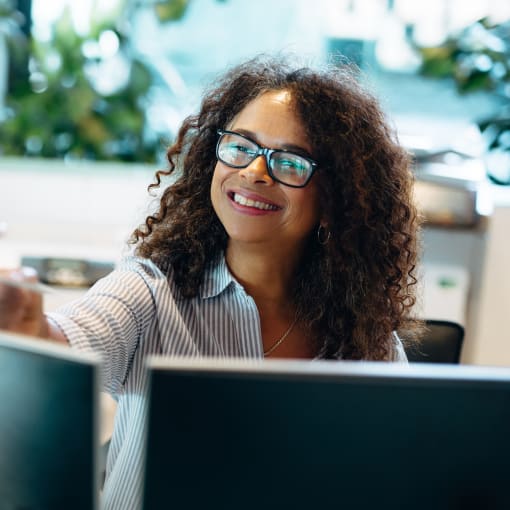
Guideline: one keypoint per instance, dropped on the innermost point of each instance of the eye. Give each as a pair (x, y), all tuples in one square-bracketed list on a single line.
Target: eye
[(240, 147), (293, 164)]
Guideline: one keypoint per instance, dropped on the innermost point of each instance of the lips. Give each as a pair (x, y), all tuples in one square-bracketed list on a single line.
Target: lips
[(253, 202)]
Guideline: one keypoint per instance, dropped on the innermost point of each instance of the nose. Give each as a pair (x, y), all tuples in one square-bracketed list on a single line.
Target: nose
[(256, 171)]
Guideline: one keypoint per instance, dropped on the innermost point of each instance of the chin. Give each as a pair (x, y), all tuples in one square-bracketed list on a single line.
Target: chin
[(244, 237)]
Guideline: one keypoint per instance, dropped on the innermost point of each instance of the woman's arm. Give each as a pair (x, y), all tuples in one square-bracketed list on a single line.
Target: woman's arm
[(109, 320), (112, 317)]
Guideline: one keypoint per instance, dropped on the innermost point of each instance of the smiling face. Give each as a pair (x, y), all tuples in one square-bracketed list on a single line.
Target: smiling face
[(253, 207)]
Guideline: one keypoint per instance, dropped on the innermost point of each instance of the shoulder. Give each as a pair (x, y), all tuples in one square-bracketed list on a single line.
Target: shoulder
[(397, 352), (143, 269), (133, 280)]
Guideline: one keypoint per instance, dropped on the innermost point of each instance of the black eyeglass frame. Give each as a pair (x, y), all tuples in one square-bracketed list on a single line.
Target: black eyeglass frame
[(267, 153)]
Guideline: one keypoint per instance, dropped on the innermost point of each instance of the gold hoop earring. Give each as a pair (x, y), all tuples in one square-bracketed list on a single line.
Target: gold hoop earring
[(323, 235)]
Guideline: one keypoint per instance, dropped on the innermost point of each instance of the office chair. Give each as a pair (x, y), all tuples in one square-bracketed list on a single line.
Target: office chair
[(440, 343)]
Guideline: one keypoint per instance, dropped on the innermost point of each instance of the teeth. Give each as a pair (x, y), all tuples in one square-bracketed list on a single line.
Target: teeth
[(239, 199)]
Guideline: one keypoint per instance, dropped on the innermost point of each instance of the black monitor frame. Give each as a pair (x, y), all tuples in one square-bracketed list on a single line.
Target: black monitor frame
[(48, 425), (238, 434)]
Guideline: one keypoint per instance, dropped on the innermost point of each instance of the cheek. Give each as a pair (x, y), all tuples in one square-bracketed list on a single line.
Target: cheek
[(218, 178), (306, 206), (215, 186)]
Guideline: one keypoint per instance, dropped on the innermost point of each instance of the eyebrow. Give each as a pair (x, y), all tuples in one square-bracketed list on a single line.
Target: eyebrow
[(285, 146)]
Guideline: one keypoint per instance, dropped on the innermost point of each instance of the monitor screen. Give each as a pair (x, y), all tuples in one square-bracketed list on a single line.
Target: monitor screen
[(326, 435), (48, 426)]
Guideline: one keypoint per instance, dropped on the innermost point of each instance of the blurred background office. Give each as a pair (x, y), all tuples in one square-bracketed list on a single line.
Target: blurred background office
[(91, 93)]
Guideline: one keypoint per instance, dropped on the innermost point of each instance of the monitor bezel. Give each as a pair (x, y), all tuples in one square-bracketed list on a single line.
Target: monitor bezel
[(47, 348)]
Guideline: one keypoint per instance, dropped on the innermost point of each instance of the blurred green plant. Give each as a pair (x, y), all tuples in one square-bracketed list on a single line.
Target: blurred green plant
[(83, 97), (14, 41), (170, 11), (478, 59)]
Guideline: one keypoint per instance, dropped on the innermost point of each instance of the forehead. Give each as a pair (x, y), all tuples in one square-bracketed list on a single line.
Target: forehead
[(273, 118), (272, 104)]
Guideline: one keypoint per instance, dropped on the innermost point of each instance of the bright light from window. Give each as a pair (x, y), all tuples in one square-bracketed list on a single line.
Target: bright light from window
[(45, 13), (109, 43)]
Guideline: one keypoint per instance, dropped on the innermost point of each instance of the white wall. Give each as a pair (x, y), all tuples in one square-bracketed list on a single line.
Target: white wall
[(491, 343), (78, 209)]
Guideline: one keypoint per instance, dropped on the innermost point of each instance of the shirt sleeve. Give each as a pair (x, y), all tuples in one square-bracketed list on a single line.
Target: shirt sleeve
[(112, 316)]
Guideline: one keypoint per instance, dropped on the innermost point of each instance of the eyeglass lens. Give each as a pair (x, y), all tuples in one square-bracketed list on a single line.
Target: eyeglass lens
[(286, 167)]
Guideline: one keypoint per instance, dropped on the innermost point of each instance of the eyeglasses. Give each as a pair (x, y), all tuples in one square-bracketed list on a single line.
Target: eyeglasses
[(285, 167)]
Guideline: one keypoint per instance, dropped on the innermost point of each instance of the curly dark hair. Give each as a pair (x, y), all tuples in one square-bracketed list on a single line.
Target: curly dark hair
[(351, 293)]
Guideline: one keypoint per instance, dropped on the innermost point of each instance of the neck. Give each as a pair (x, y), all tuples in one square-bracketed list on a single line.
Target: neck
[(265, 274)]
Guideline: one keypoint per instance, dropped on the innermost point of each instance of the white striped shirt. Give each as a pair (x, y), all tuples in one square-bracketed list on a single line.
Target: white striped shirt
[(138, 311)]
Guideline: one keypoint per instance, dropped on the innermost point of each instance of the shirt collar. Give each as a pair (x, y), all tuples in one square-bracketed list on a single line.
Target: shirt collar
[(217, 278)]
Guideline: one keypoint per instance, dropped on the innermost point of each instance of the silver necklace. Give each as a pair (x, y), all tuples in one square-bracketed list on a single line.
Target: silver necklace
[(281, 339)]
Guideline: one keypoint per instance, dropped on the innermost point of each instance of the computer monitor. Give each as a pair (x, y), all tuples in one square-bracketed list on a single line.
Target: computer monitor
[(48, 426), (326, 435)]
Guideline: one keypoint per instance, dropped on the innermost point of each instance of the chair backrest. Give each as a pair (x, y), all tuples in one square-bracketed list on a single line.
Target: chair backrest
[(441, 343)]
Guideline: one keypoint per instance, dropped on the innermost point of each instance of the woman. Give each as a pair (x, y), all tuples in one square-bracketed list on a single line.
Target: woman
[(288, 232)]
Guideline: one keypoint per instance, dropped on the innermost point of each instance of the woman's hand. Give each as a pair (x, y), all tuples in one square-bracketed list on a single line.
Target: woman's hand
[(21, 310)]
